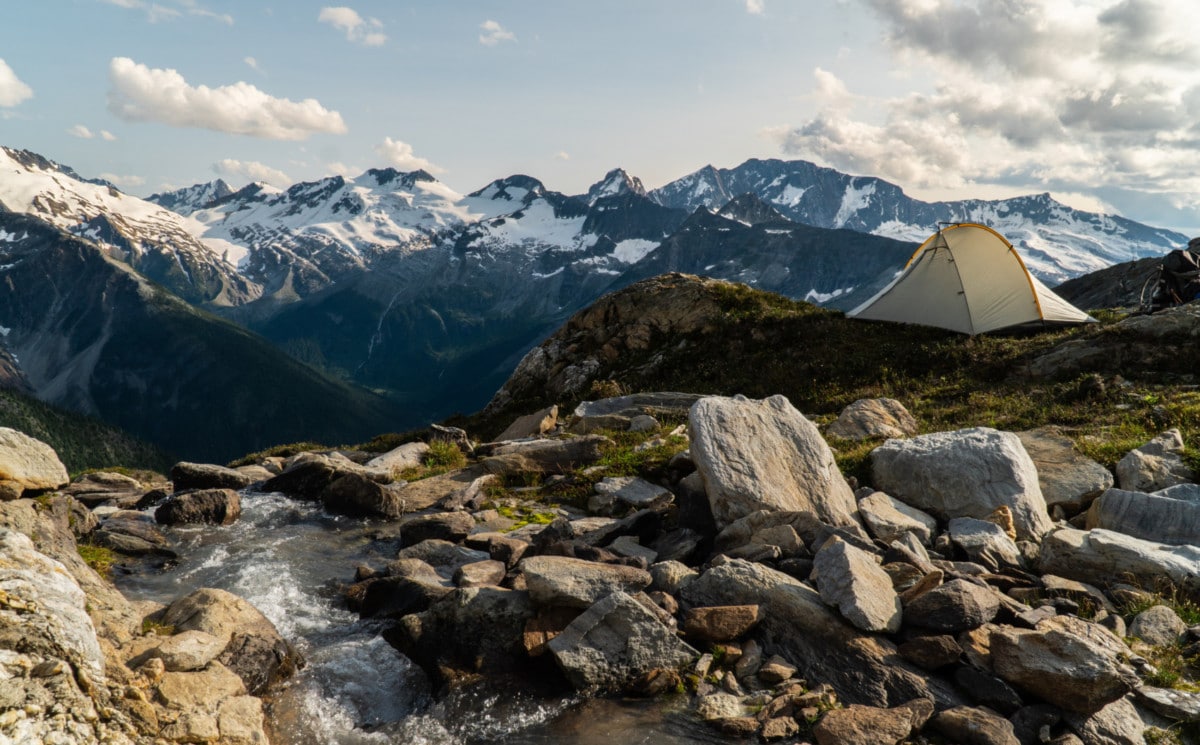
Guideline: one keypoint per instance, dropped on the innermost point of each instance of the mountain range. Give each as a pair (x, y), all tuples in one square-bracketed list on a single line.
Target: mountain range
[(398, 300)]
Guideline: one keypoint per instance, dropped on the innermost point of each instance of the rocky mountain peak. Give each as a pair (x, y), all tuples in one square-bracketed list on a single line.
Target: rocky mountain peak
[(516, 188), (615, 182)]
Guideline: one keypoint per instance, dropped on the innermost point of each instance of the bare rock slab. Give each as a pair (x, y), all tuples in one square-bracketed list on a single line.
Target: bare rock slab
[(756, 455), (1147, 516), (28, 464), (852, 581), (575, 583), (1156, 465), (966, 473), (1059, 666), (1104, 557), (614, 642), (1068, 478)]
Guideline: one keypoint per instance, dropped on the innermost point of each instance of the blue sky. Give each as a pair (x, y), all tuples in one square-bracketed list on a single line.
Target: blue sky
[(1095, 101)]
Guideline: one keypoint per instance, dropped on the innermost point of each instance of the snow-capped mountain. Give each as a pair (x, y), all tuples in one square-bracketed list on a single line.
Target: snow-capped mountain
[(147, 237), (187, 200), (614, 183), (1056, 241)]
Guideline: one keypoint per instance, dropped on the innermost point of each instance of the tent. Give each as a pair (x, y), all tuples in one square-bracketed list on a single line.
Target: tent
[(968, 278)]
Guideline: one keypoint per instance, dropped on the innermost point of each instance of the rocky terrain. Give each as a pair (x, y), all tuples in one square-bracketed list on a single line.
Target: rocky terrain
[(856, 573)]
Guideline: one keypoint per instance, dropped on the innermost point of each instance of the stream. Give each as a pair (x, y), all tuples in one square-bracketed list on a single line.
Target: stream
[(286, 557)]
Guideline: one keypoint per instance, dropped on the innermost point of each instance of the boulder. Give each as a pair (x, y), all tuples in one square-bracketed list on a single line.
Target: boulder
[(411, 586), (443, 556), (984, 543), (867, 418), (575, 583), (133, 534), (1068, 479), (1158, 625), (470, 630), (1146, 516), (211, 506), (888, 519), (1118, 723), (188, 650), (967, 473), (1156, 465), (531, 425), (186, 476), (1177, 705), (1061, 667), (671, 576), (557, 456), (851, 580), (408, 455), (719, 623), (1103, 557), (480, 574), (444, 526), (308, 474), (99, 487), (360, 495), (931, 652), (27, 464), (635, 492), (756, 455), (448, 490), (868, 725), (254, 650), (974, 726), (956, 606), (614, 642), (862, 668)]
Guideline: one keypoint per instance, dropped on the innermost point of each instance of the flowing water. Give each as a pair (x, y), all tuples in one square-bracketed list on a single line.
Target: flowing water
[(287, 557)]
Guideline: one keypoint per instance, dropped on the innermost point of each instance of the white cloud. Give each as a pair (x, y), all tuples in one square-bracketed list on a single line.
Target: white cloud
[(107, 136), (1061, 95), (365, 31), (337, 168), (252, 170), (125, 182), (562, 155), (252, 64), (81, 132), (400, 155), (493, 33), (142, 94), (156, 12), (12, 90), (755, 7)]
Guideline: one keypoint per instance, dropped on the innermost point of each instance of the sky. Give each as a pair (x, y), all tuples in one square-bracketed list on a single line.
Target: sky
[(1094, 101)]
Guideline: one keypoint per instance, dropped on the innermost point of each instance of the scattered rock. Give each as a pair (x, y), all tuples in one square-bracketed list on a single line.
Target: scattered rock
[(186, 476), (873, 417), (955, 606), (864, 725), (635, 492), (967, 473), (888, 519), (480, 574), (133, 534), (1059, 666), (360, 495), (852, 581), (531, 425), (575, 583), (557, 456), (1068, 479), (1146, 516), (443, 526), (720, 623), (984, 542), (1158, 625), (974, 726), (408, 455), (931, 652), (1104, 557), (755, 455), (1180, 706)]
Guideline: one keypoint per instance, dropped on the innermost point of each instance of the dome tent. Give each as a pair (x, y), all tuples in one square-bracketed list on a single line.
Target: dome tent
[(966, 277)]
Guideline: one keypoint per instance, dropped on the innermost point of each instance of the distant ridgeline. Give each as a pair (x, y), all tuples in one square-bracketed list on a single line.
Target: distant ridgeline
[(357, 306)]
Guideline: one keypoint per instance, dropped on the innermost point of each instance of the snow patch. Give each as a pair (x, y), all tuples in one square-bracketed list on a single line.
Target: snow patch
[(853, 200), (790, 195), (813, 296), (633, 250)]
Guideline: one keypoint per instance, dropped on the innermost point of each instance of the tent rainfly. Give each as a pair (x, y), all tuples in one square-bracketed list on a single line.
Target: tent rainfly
[(968, 278)]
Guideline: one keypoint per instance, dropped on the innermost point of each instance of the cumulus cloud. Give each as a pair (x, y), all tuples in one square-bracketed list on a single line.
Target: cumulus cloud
[(338, 168), (365, 31), (12, 90), (252, 170), (107, 136), (492, 33), (1065, 95), (81, 132), (143, 94), (562, 155), (252, 63), (400, 155), (755, 7)]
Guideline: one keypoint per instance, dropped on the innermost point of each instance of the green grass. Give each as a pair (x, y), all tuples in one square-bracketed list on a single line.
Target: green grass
[(276, 451), (443, 457), (100, 559)]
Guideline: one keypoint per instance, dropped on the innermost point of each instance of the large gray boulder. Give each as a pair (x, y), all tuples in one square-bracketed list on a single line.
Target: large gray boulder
[(211, 506), (756, 455), (1068, 478), (408, 455), (254, 650), (27, 464), (852, 581), (185, 476), (863, 668), (1156, 465), (873, 417), (1146, 516), (614, 642), (575, 583), (889, 519), (967, 473), (984, 542), (1059, 666), (1103, 558)]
